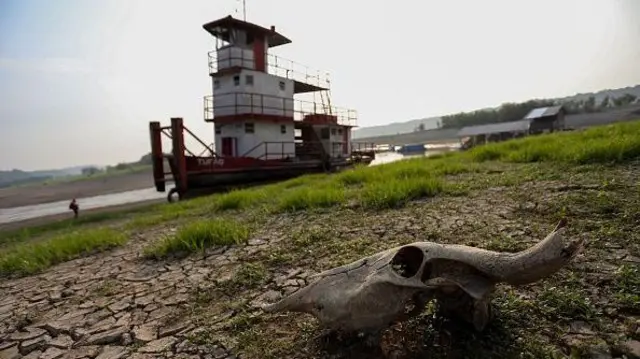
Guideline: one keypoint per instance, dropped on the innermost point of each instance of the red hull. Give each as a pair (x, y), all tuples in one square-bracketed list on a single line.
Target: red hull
[(192, 173)]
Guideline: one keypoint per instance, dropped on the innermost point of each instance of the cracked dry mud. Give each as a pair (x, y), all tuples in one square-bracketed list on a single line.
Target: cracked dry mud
[(111, 305), (119, 305)]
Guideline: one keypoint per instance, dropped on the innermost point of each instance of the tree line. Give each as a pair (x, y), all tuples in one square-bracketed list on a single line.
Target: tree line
[(120, 167), (508, 112)]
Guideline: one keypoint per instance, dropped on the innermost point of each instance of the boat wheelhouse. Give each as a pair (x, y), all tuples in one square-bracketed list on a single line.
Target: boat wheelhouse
[(263, 130)]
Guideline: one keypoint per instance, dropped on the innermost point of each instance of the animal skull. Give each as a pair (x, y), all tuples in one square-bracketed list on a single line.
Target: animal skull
[(372, 293)]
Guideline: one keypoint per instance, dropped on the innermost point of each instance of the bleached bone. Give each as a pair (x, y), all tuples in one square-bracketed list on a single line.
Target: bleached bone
[(372, 293)]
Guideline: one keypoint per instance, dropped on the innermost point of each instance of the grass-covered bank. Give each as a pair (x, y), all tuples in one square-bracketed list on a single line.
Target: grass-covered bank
[(369, 189), (589, 309), (267, 240), (609, 144)]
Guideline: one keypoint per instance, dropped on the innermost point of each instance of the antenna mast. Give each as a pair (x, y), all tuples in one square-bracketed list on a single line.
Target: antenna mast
[(244, 10)]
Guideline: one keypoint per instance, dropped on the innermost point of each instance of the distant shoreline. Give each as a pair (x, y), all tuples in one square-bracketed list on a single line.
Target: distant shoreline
[(58, 217), (44, 193)]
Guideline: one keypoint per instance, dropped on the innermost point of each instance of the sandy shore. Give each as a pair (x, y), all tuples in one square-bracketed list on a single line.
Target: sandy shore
[(43, 193), (58, 217)]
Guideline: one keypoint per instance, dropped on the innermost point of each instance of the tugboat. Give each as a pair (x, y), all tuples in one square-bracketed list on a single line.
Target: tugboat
[(261, 132)]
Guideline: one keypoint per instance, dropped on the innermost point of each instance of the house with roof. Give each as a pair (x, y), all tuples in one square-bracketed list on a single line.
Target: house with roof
[(546, 119), (538, 120)]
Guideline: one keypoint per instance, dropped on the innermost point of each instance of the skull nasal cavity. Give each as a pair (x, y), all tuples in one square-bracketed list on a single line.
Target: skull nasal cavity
[(407, 261)]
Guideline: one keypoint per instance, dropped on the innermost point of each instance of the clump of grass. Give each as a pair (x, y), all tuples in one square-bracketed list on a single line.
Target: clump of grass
[(310, 197), (106, 288), (146, 221), (28, 258), (565, 303), (299, 181), (239, 199), (358, 176), (628, 278), (627, 286), (250, 275), (395, 193), (198, 236), (160, 215), (504, 244), (310, 236), (450, 166)]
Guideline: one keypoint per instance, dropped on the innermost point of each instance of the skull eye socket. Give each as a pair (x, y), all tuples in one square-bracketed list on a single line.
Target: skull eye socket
[(407, 261)]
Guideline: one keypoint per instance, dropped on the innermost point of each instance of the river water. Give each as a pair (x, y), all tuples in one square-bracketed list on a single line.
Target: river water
[(8, 215)]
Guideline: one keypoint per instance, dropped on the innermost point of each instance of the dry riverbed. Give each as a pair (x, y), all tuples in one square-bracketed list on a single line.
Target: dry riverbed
[(120, 304)]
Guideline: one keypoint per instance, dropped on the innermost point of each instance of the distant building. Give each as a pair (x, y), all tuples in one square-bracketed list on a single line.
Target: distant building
[(538, 120), (493, 132), (546, 119)]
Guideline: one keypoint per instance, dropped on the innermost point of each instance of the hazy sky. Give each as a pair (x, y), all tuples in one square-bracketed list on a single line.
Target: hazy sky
[(80, 79)]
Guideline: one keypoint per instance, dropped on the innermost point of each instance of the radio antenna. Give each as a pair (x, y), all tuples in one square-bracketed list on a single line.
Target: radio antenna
[(244, 10)]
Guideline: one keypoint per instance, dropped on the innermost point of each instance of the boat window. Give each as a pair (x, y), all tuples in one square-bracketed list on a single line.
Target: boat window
[(218, 129), (283, 129), (249, 38), (249, 80), (340, 131), (216, 84), (334, 131), (282, 86), (236, 80), (324, 133), (248, 127)]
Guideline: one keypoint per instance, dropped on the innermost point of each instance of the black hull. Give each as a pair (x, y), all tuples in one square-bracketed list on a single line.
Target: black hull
[(218, 182)]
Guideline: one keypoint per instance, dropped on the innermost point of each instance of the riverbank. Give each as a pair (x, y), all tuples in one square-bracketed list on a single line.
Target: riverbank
[(37, 214), (66, 190), (65, 219), (188, 278)]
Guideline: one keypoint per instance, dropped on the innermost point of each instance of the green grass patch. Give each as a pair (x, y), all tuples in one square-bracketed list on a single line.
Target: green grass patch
[(359, 176), (397, 192), (502, 243), (250, 275), (31, 257), (318, 196), (199, 235), (627, 287), (67, 226), (628, 278), (240, 199), (24, 234), (615, 143), (565, 303)]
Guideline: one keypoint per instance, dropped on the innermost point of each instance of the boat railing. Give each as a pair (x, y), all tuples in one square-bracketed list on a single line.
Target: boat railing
[(237, 103), (282, 150), (363, 147), (235, 57)]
